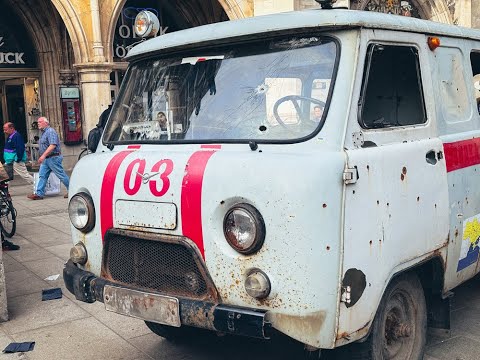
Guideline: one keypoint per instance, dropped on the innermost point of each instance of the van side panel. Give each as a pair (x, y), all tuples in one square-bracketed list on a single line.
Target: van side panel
[(459, 129), (396, 213)]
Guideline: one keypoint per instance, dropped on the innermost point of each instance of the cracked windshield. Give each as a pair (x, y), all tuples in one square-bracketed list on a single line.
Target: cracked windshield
[(263, 91)]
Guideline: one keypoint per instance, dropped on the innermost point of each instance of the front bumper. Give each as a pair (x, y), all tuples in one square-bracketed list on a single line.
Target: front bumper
[(216, 317)]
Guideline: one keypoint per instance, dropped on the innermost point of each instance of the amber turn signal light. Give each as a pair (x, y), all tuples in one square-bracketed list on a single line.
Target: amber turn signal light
[(433, 42)]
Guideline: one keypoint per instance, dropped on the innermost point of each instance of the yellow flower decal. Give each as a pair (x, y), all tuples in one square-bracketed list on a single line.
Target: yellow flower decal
[(472, 231)]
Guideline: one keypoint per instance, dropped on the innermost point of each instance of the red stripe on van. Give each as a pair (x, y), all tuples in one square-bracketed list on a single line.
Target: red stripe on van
[(108, 185), (191, 198), (462, 154)]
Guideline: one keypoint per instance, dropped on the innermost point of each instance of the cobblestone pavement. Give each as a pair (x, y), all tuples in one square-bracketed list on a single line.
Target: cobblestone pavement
[(68, 329)]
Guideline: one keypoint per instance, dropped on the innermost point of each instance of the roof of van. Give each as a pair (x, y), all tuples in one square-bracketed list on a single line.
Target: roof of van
[(312, 18)]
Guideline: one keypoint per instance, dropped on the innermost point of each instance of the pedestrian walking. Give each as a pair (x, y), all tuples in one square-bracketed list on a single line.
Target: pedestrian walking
[(14, 152), (50, 159)]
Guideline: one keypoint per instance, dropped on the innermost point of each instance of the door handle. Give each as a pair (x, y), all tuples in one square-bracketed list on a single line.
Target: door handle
[(431, 157)]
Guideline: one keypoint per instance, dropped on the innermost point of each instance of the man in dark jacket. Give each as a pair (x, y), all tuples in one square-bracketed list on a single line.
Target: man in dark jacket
[(14, 152)]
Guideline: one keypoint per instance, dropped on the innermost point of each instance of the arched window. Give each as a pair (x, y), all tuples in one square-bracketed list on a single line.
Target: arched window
[(397, 7)]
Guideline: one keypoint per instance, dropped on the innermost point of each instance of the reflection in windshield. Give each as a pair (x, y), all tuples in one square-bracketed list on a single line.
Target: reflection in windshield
[(266, 90)]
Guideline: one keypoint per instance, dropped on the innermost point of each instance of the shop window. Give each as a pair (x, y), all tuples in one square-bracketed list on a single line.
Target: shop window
[(392, 93)]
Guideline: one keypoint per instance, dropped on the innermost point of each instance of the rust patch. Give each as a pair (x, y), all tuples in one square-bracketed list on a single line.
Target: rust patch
[(297, 325), (359, 333), (198, 316), (402, 177), (404, 170)]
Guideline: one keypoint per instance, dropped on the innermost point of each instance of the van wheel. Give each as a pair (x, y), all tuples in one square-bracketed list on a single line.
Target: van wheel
[(176, 334), (399, 330)]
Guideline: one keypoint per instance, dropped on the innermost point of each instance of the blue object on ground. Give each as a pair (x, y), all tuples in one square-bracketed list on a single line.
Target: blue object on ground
[(51, 294), (19, 347)]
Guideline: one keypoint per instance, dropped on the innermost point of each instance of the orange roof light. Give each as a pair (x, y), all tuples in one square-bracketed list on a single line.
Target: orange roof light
[(433, 42)]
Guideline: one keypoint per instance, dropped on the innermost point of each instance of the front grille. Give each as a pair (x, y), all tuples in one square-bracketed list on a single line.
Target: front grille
[(167, 267)]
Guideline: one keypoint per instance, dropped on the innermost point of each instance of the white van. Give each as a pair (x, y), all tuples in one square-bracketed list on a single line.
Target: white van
[(318, 177)]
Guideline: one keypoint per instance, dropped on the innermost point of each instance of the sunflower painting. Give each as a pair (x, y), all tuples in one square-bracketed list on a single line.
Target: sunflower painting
[(470, 247)]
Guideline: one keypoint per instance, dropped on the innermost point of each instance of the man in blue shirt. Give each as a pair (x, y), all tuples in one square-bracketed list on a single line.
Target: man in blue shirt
[(14, 152), (50, 159)]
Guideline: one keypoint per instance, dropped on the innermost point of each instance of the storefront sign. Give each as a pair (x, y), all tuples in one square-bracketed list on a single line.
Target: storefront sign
[(16, 47), (10, 57), (69, 93)]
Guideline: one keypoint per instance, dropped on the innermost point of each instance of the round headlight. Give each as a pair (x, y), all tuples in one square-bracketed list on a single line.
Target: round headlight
[(244, 229), (146, 24), (82, 212)]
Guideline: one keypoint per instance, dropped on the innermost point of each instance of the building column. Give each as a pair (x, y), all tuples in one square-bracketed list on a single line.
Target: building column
[(95, 92), (475, 9), (264, 7), (463, 13)]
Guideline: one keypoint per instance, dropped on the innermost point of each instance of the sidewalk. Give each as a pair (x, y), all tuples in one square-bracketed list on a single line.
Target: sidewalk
[(69, 329)]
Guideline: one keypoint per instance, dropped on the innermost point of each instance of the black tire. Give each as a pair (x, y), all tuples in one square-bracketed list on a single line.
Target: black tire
[(177, 334), (399, 330), (8, 218), (83, 153)]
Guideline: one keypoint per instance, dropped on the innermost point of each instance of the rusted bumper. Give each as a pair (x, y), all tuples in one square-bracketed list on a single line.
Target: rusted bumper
[(216, 317)]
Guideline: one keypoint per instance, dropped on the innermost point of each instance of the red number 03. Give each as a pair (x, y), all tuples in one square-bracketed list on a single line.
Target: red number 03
[(162, 169), (167, 170)]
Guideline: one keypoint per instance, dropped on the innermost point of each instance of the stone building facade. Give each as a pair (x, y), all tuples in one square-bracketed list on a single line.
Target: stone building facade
[(63, 58)]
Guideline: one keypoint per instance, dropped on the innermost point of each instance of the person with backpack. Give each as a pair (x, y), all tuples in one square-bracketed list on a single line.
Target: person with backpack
[(95, 134), (14, 153)]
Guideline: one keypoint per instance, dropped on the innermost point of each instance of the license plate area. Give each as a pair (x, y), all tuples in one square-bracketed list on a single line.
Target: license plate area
[(146, 306)]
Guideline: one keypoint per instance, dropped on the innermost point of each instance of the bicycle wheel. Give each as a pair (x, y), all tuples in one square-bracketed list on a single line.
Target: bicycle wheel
[(8, 218), (83, 153)]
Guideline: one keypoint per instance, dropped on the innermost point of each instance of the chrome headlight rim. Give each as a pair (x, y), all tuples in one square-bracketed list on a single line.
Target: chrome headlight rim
[(90, 208), (259, 223)]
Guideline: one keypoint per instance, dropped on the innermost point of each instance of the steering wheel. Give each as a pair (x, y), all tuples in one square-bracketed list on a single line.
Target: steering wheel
[(295, 101)]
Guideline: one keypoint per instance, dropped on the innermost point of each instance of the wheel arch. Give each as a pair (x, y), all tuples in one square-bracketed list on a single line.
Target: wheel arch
[(431, 273)]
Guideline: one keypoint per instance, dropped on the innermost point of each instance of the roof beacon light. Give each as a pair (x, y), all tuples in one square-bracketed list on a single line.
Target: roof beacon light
[(146, 24), (326, 4), (433, 42)]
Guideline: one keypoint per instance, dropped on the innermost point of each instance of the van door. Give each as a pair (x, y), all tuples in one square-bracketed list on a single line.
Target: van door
[(396, 208), (455, 68)]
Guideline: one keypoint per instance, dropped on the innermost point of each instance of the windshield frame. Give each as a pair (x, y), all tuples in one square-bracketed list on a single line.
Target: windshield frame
[(187, 51)]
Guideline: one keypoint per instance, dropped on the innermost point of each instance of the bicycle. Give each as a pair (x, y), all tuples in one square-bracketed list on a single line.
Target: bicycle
[(83, 153), (8, 213)]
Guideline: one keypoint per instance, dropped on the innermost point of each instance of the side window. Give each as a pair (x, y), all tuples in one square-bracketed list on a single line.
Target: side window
[(392, 93), (475, 60), (453, 88)]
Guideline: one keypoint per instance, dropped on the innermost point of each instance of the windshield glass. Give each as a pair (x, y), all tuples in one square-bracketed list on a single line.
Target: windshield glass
[(273, 90)]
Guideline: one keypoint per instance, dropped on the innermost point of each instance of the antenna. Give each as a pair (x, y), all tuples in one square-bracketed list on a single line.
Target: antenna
[(326, 4)]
